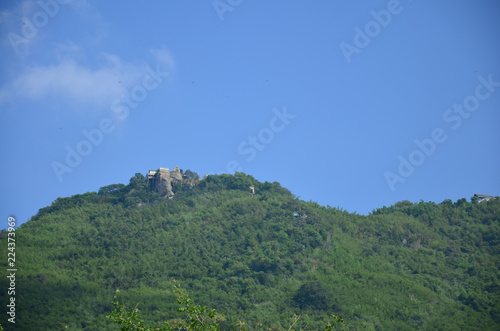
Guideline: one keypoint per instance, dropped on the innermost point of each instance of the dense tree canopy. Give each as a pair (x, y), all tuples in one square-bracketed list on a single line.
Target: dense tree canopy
[(409, 266)]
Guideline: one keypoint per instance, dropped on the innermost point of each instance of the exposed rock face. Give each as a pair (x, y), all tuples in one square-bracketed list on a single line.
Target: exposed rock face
[(162, 181), (176, 174)]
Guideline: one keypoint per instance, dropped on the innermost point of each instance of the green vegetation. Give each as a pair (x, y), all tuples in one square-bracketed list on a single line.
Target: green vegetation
[(197, 317), (409, 266)]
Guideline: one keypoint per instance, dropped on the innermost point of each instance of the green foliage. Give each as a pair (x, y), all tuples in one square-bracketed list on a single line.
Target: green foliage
[(197, 317), (110, 189), (191, 175), (313, 295), (421, 265)]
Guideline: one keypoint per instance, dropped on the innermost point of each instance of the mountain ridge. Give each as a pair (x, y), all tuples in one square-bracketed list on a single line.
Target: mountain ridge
[(409, 266)]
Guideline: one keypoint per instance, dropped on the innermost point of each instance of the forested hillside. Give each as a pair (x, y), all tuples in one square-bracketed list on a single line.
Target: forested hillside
[(259, 258)]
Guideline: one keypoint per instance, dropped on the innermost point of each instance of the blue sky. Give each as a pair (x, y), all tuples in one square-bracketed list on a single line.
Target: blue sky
[(357, 105)]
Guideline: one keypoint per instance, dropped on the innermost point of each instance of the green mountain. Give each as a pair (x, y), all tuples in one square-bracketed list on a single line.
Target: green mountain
[(259, 257)]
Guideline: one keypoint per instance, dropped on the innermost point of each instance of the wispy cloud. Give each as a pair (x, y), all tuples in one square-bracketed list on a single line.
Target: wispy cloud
[(81, 83), (70, 79), (163, 57), (25, 24), (78, 71)]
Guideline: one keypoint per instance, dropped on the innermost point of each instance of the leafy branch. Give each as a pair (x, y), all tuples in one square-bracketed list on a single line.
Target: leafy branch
[(198, 318)]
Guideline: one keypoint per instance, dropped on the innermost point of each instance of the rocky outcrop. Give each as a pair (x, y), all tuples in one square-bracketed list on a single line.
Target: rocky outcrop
[(162, 179), (176, 174)]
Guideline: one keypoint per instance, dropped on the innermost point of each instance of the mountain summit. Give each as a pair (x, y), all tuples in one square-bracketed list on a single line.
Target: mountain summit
[(255, 252)]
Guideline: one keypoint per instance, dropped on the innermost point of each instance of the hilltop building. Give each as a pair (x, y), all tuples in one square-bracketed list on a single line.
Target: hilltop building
[(161, 180), (483, 197)]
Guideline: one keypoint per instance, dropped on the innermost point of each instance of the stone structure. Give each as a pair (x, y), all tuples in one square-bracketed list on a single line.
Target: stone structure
[(483, 197), (161, 180)]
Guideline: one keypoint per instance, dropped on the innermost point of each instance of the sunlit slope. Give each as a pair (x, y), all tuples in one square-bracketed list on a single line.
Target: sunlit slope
[(260, 258)]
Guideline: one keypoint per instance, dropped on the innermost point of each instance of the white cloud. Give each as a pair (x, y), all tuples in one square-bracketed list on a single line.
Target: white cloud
[(77, 71), (163, 57), (29, 25), (82, 84), (69, 79), (25, 23)]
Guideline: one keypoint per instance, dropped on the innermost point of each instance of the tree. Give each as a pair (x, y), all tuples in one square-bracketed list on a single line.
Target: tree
[(198, 318), (137, 180), (313, 295), (191, 175), (110, 189)]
